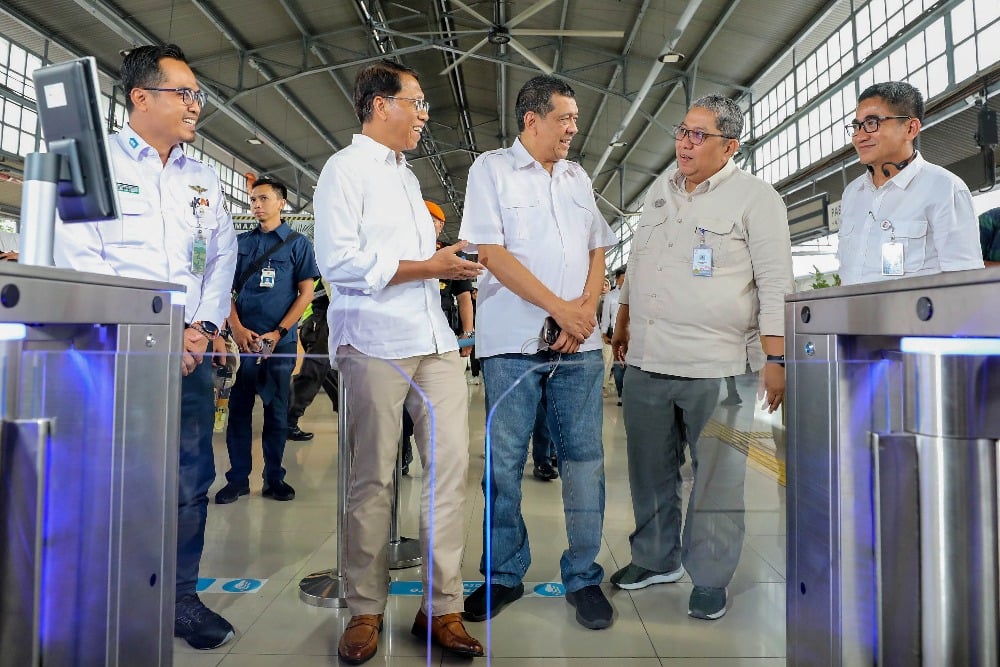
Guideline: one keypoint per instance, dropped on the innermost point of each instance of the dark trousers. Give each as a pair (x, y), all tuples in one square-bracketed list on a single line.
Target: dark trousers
[(196, 473), (252, 378), (315, 372)]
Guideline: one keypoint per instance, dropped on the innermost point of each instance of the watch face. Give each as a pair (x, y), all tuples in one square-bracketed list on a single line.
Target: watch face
[(210, 328)]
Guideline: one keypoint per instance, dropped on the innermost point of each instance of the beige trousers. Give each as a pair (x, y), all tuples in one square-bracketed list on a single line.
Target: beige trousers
[(376, 392)]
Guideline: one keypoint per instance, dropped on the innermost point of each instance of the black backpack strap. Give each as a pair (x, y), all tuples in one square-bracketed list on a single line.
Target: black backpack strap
[(259, 263)]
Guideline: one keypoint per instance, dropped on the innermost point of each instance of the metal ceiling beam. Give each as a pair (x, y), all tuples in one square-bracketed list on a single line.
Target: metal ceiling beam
[(654, 71), (227, 31), (135, 34), (692, 66)]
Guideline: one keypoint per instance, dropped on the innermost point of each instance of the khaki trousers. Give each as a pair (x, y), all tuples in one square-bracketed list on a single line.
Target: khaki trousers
[(377, 390)]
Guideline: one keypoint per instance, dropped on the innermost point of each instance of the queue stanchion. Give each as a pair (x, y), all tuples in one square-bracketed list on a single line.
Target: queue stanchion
[(404, 552), (327, 588)]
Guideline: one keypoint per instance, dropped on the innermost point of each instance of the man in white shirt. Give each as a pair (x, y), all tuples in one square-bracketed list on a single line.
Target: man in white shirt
[(609, 314), (710, 265), (532, 216), (375, 248), (174, 228), (905, 216)]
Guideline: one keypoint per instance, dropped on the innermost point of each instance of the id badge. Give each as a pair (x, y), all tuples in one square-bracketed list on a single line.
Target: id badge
[(892, 258), (267, 277), (701, 263), (199, 253)]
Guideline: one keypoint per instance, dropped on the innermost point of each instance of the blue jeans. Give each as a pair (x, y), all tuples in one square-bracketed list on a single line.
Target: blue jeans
[(572, 389), (196, 473)]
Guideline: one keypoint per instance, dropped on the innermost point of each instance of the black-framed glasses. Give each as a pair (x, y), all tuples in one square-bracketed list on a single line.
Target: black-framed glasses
[(870, 124), (697, 137), (422, 106), (188, 95)]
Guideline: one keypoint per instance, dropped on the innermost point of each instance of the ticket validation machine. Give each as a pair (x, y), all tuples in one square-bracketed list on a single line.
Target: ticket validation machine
[(90, 399), (893, 423)]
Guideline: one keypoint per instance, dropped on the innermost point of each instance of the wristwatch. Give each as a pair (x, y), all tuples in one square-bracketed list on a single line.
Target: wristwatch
[(281, 331), (206, 329), (776, 359), (468, 334)]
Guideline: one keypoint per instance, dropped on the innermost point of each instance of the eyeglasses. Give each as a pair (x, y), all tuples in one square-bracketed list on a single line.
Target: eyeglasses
[(697, 137), (188, 95), (422, 106), (870, 124)]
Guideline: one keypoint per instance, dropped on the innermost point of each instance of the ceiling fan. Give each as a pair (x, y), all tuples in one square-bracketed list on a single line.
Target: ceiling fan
[(506, 34)]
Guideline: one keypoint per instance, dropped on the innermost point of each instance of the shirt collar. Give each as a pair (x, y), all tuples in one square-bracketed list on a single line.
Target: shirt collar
[(137, 148), (522, 159), (709, 184), (282, 230), (378, 152), (905, 176)]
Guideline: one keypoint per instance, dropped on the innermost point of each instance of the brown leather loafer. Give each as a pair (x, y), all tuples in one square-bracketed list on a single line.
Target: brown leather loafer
[(360, 639), (448, 632)]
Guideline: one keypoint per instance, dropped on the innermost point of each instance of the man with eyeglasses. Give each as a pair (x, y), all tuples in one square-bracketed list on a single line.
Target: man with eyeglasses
[(703, 299), (375, 247), (532, 216), (174, 228), (904, 216)]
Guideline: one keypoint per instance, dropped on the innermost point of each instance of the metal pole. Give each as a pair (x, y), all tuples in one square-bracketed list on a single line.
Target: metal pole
[(38, 209), (327, 588), (403, 551)]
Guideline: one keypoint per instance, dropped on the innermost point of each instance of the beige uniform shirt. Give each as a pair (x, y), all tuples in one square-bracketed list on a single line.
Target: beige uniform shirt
[(703, 327)]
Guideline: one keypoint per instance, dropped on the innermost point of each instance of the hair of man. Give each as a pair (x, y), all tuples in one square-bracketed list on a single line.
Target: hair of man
[(902, 98), (380, 79), (276, 185), (141, 68), (728, 115), (536, 95)]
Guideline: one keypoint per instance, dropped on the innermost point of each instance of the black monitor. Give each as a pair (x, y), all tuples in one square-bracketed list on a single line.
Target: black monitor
[(70, 114)]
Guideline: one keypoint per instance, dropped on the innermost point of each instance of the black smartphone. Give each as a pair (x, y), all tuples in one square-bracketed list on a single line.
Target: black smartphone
[(550, 331)]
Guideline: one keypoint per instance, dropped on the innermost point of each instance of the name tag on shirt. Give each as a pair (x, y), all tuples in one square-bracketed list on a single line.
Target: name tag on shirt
[(267, 277), (892, 258), (701, 263), (199, 253)]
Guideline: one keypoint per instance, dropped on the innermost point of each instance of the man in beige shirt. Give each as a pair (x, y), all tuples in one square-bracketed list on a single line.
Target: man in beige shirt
[(710, 265)]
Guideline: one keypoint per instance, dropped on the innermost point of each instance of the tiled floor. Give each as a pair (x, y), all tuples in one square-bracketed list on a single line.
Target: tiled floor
[(256, 538)]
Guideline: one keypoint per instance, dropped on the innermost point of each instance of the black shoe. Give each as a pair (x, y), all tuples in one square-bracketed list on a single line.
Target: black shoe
[(198, 625), (295, 433), (592, 608), (500, 597), (278, 491), (230, 493), (545, 472)]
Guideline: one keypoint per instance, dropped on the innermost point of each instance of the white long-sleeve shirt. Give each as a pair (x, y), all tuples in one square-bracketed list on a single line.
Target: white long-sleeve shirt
[(369, 216), (157, 229)]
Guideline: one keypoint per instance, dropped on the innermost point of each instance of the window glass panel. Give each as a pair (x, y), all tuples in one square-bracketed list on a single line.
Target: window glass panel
[(987, 11), (937, 76), (989, 46), (965, 60), (935, 38), (8, 141), (962, 22)]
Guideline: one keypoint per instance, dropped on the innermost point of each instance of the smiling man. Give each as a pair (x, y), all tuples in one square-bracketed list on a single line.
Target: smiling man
[(710, 265), (905, 216), (174, 228), (375, 247), (531, 213)]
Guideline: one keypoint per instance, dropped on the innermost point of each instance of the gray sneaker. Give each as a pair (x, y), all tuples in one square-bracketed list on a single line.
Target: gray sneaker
[(633, 577), (707, 603)]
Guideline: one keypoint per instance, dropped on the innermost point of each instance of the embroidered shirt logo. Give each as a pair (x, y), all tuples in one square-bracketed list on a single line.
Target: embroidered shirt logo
[(133, 142), (128, 188)]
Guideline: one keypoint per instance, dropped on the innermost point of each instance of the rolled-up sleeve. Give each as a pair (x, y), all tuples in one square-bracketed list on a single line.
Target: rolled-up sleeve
[(344, 260), (771, 256), (956, 232)]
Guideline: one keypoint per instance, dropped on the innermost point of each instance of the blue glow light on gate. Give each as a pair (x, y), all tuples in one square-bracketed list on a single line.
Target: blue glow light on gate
[(951, 346)]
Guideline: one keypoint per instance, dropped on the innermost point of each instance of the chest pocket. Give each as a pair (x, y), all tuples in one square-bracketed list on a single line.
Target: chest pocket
[(517, 210), (724, 237), (913, 235), (126, 231)]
